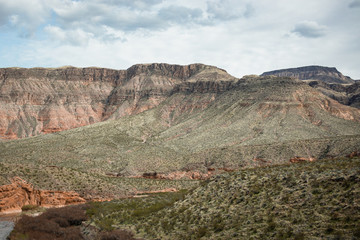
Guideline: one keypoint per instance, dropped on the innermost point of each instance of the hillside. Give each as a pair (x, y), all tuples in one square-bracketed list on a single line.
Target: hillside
[(318, 200), (203, 126), (309, 200)]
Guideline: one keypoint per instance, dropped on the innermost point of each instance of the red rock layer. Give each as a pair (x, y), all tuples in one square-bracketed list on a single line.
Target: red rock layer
[(19, 193), (301, 159)]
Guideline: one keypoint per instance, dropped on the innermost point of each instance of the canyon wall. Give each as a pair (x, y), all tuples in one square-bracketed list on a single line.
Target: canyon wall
[(43, 100)]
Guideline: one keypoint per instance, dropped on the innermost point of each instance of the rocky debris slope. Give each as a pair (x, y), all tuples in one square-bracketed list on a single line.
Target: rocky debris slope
[(325, 74), (40, 100), (19, 193)]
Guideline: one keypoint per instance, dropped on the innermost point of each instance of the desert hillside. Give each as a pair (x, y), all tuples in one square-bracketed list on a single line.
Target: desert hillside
[(206, 122)]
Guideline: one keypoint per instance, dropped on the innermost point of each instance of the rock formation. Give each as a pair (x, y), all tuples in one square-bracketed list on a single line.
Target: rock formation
[(325, 74), (193, 175), (200, 125), (347, 94), (301, 159), (42, 100), (39, 100), (328, 81), (19, 193)]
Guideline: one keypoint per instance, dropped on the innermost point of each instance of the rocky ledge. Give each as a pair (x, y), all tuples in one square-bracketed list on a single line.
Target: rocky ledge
[(20, 193)]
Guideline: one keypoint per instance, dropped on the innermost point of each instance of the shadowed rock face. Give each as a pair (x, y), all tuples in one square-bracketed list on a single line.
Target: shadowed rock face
[(348, 94), (39, 100), (19, 193), (325, 74), (328, 81)]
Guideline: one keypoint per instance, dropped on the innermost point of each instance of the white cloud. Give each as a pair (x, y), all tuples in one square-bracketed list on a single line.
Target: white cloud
[(22, 15), (355, 4), (229, 9), (309, 29), (242, 37), (74, 36), (135, 4), (180, 14)]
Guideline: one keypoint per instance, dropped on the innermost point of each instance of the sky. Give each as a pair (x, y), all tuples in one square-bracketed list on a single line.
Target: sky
[(241, 36)]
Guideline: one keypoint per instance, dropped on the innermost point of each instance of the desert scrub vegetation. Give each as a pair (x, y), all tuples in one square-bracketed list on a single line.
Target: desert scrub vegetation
[(127, 213), (32, 208), (58, 223), (67, 223), (88, 185), (311, 200)]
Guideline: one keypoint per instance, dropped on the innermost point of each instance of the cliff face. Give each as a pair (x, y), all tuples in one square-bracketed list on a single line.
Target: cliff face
[(325, 74), (328, 81), (38, 100), (344, 94), (19, 193)]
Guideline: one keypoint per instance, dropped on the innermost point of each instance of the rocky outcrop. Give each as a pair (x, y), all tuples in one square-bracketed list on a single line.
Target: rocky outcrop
[(325, 74), (19, 193), (42, 100), (204, 87), (190, 174), (328, 81), (354, 154), (348, 94), (193, 175), (301, 159)]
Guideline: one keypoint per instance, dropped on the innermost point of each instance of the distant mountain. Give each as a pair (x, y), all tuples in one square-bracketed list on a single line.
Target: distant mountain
[(42, 100), (328, 81), (325, 74), (202, 125)]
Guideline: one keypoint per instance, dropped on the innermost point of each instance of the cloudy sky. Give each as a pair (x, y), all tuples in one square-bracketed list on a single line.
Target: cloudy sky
[(241, 36)]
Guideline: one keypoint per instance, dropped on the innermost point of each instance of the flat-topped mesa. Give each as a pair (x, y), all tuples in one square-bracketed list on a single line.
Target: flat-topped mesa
[(64, 73), (45, 100), (182, 72), (325, 74)]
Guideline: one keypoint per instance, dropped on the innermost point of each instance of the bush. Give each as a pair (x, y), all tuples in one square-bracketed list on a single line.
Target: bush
[(117, 235), (29, 207), (57, 223)]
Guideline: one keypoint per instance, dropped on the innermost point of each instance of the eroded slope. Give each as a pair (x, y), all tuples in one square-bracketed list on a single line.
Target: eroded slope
[(254, 121), (40, 100)]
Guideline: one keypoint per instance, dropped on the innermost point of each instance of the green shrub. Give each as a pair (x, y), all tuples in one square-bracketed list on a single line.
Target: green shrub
[(29, 207)]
